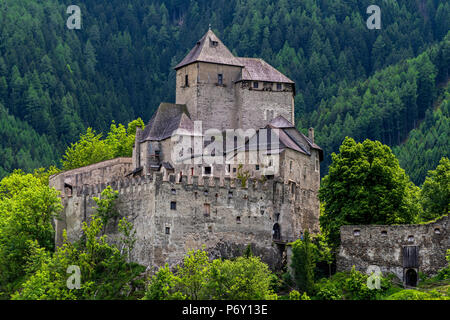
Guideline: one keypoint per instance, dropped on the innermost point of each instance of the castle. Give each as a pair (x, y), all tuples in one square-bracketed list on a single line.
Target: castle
[(223, 167)]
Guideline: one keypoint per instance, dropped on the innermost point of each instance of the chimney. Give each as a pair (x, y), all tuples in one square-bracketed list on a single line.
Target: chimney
[(311, 134)]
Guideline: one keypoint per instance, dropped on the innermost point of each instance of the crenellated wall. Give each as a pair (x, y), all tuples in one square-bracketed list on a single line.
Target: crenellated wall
[(171, 218)]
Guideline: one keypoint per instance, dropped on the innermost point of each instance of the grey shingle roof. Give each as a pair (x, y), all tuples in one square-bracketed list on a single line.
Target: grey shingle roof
[(168, 118), (258, 70), (206, 51), (289, 137)]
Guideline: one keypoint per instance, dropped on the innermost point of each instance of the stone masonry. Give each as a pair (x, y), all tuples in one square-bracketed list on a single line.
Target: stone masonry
[(404, 250)]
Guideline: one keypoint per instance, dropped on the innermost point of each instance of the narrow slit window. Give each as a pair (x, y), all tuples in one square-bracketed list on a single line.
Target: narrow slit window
[(207, 209), (220, 79), (186, 81), (173, 205)]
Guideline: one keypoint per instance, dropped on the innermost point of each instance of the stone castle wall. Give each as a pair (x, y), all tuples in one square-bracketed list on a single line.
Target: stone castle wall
[(257, 107), (382, 246), (218, 213)]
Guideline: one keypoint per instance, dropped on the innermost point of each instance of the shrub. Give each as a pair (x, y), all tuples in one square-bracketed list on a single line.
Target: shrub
[(328, 290), (409, 294)]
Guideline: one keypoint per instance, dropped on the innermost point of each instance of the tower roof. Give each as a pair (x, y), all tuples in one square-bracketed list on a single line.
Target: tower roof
[(210, 49)]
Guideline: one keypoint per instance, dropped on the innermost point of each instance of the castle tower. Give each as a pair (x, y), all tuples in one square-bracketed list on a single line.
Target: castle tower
[(205, 83), (228, 92)]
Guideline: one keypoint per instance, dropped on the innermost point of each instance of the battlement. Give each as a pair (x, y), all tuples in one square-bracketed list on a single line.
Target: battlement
[(127, 184)]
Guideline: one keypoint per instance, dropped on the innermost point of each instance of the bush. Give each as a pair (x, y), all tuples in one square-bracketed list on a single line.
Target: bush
[(409, 294), (328, 290), (245, 278)]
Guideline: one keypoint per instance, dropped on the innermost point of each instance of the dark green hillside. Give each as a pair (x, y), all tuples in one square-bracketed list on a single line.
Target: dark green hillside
[(427, 144), (119, 65)]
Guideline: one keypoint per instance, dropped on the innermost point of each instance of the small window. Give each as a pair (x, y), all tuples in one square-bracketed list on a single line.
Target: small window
[(262, 212), (167, 230), (356, 233), (186, 81), (206, 192), (207, 209), (255, 84), (228, 168), (257, 167), (437, 231), (317, 165), (214, 43), (207, 170), (384, 233), (230, 194), (410, 238), (173, 205), (174, 191), (290, 166), (292, 188), (238, 219), (220, 78), (279, 86), (234, 170), (210, 228)]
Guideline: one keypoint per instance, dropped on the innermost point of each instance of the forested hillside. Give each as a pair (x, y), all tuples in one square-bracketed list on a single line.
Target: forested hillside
[(56, 82), (427, 143)]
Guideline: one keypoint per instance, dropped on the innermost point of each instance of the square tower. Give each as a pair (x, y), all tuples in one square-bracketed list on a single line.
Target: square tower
[(205, 83)]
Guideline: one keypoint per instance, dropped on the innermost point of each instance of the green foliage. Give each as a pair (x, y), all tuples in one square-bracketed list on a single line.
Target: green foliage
[(295, 295), (428, 143), (356, 286), (21, 146), (128, 238), (444, 273), (366, 185), (91, 148), (242, 175), (106, 208), (105, 274), (245, 278), (410, 294), (59, 83), (328, 290), (351, 286), (27, 207), (304, 257), (435, 193)]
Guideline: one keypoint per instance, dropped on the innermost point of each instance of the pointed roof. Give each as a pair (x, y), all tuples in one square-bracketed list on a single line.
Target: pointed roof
[(210, 49)]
